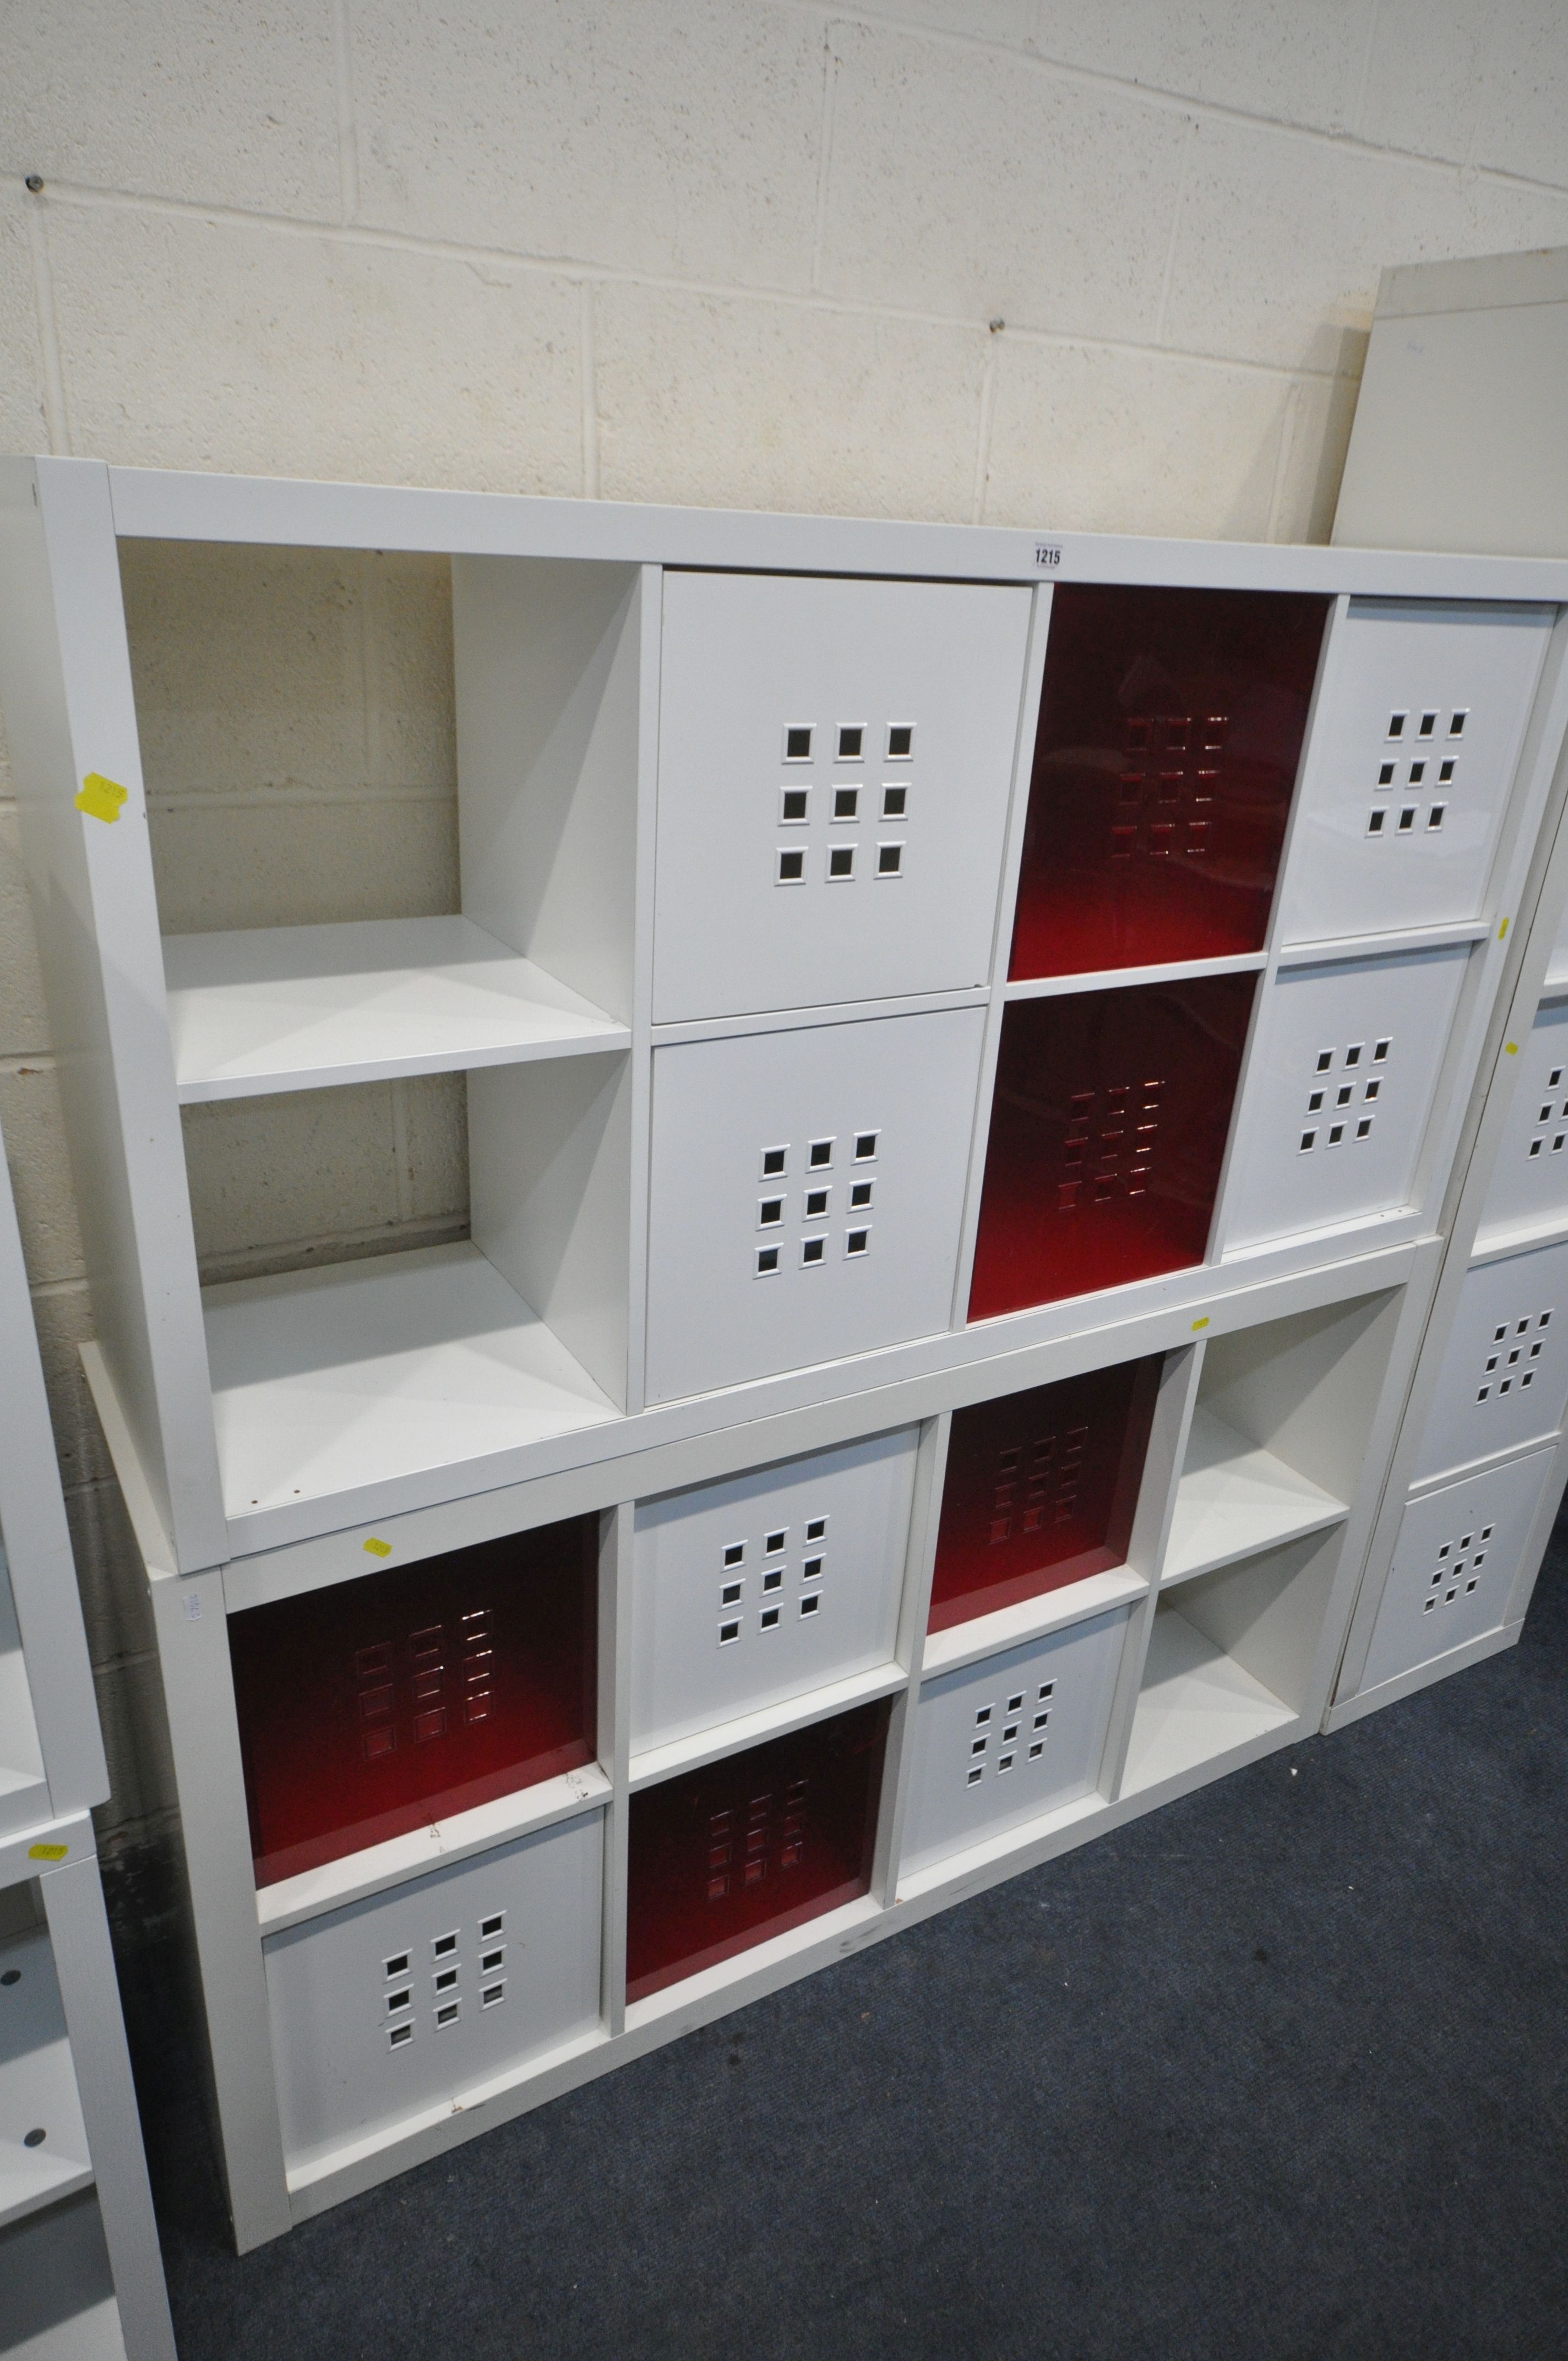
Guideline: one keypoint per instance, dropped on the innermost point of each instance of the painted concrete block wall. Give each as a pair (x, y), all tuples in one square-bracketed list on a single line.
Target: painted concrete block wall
[(1018, 260)]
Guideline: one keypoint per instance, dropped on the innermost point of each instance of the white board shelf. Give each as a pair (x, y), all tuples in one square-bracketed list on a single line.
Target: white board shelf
[(1235, 1498), (291, 1009), (1196, 1704), (325, 1380)]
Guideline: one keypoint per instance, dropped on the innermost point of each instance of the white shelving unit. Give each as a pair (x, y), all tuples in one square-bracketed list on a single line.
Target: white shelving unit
[(1478, 1472), (80, 2268), (756, 1325)]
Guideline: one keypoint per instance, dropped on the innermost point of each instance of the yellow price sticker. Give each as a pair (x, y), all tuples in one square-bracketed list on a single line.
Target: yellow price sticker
[(378, 1548), (101, 798), (48, 1853), (1201, 1324)]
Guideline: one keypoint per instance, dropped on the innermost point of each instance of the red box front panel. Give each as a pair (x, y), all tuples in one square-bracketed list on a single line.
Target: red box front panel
[(749, 1847), (1108, 1129), (1040, 1490), (1169, 736), (378, 1706)]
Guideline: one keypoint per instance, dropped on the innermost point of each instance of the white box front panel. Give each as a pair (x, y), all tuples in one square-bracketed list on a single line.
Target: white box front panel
[(1530, 1179), (401, 2001), (1458, 1552), (748, 1592), (1004, 1740), (1418, 727), (1339, 1092), (805, 1195), (834, 759), (1504, 1379)]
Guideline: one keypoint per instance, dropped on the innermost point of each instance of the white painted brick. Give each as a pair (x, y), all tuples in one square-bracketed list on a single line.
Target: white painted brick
[(724, 402), (679, 139), (115, 1604), (1524, 111), (63, 1318), (970, 184), (271, 1172), (208, 99), (33, 1132), (22, 426), (1283, 237), (285, 353), (1088, 440), (24, 1021), (1426, 78), (303, 864), (1271, 58)]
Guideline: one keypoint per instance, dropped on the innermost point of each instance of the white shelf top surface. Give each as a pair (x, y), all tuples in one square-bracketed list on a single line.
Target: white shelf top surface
[(37, 2086), (289, 1008), (324, 1380), (1196, 1704), (1235, 1498)]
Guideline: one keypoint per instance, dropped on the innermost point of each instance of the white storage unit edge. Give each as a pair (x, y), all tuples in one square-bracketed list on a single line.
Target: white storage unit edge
[(79, 2255), (595, 1349), (265, 1415)]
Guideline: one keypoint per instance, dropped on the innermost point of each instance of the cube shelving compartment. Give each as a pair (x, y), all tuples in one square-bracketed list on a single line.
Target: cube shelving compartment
[(406, 2003), (806, 1194), (1502, 1383), (378, 1705), (1011, 1738), (1108, 1130), (749, 1592), (835, 760), (1529, 1185), (1039, 1489), (1170, 732), (1456, 1563), (727, 1857)]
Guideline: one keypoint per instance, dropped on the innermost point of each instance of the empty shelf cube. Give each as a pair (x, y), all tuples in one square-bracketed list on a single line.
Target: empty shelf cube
[(725, 1857), (377, 1706), (1169, 735), (1040, 1490), (1108, 1130), (1011, 1737)]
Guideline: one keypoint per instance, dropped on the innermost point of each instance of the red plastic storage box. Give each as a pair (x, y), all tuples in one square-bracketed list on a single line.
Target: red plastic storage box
[(378, 1705), (1170, 732), (1040, 1490), (1108, 1129), (742, 1850)]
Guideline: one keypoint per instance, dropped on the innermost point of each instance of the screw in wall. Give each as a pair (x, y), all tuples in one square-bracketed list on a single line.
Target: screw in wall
[(34, 185)]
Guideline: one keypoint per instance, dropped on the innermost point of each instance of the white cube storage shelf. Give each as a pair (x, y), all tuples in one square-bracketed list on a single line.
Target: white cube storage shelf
[(1011, 1738), (835, 764), (805, 1195), (408, 2002), (1422, 712), (1454, 1565), (742, 804), (43, 2140), (763, 1587)]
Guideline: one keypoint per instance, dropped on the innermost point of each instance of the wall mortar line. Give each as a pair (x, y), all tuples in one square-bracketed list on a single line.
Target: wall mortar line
[(57, 418)]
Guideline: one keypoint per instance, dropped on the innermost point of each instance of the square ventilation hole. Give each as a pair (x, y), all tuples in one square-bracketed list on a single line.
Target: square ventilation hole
[(770, 1212), (819, 1155), (900, 741), (846, 803), (810, 1604), (398, 2001), (769, 1619), (774, 1162), (1456, 722), (974, 1776), (816, 1528), (449, 2012), (400, 2036), (491, 1926), (1397, 724), (860, 1196), (444, 1945), (728, 1633), (840, 863), (1375, 820), (730, 1594), (812, 1252), (857, 1242), (982, 1717), (792, 868), (490, 1963), (797, 745), (1386, 774), (817, 1204), (851, 742), (773, 1578), (865, 1145), (811, 1569), (1037, 1748), (890, 860), (775, 1541), (767, 1261), (794, 806), (736, 1554), (896, 803), (492, 1996), (398, 1965), (1429, 723)]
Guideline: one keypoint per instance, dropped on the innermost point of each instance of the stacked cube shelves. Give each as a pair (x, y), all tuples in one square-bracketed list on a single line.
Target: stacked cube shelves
[(966, 1039), (80, 2278)]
